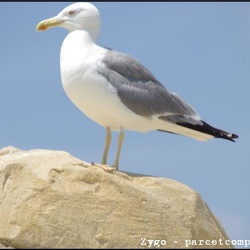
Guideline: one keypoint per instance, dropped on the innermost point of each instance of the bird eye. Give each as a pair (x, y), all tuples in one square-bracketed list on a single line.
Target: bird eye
[(72, 12)]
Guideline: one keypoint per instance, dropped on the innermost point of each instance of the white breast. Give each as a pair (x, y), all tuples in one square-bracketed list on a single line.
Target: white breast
[(91, 92)]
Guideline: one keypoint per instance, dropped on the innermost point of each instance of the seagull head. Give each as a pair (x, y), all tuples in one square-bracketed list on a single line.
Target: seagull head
[(77, 16)]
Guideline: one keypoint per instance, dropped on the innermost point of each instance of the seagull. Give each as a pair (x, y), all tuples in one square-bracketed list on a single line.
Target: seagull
[(114, 89)]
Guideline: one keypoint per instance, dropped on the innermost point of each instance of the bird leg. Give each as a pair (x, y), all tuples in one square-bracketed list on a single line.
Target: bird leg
[(107, 144), (120, 140), (104, 165)]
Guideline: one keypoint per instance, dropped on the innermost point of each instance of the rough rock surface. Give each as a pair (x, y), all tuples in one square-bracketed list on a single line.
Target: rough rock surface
[(49, 199)]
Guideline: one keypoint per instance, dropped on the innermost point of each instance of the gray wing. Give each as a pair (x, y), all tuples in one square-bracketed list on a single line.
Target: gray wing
[(139, 90)]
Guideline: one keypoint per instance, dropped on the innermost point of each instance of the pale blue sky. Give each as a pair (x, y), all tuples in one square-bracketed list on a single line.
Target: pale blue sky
[(201, 51)]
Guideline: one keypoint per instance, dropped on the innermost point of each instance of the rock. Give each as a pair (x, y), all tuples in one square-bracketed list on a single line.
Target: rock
[(49, 199)]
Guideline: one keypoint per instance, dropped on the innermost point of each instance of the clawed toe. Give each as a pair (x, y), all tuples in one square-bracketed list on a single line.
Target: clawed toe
[(106, 168)]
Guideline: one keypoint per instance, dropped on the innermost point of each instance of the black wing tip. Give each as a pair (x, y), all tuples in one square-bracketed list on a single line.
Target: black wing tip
[(208, 129), (217, 133), (231, 137), (205, 128)]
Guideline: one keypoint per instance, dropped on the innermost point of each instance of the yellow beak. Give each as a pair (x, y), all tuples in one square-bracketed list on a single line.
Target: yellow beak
[(48, 23)]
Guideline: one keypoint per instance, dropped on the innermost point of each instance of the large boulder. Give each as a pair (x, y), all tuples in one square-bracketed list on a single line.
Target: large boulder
[(49, 199)]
